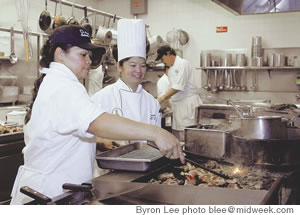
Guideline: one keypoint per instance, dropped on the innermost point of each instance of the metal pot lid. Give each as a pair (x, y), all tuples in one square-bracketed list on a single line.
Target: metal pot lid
[(261, 117)]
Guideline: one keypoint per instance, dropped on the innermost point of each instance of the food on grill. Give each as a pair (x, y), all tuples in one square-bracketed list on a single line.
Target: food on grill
[(165, 176), (240, 178), (190, 175), (6, 130)]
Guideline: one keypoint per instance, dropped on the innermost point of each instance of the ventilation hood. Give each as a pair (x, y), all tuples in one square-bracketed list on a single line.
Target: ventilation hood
[(245, 7)]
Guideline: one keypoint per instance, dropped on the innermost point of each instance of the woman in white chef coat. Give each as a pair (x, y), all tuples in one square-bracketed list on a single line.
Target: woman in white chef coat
[(126, 97), (62, 120), (184, 89)]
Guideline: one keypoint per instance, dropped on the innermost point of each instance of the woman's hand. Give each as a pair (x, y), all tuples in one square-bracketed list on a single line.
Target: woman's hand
[(114, 127), (169, 145)]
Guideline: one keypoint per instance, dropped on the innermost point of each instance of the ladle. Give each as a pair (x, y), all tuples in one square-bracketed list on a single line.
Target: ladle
[(207, 85), (13, 58), (215, 88)]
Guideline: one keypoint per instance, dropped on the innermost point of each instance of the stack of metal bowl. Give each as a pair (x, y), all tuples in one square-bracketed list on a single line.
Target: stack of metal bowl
[(257, 51)]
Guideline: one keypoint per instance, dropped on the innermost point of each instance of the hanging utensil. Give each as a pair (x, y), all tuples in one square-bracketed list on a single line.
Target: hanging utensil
[(72, 20), (45, 19), (184, 37), (59, 20), (207, 85), (108, 23), (86, 24), (244, 80), (94, 30), (215, 88), (221, 86), (13, 58), (23, 7), (55, 9)]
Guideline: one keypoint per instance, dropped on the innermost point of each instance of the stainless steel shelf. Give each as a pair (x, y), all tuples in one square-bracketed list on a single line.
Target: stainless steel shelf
[(248, 68)]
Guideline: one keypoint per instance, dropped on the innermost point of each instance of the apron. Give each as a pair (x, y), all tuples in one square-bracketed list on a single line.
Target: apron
[(187, 82), (184, 112)]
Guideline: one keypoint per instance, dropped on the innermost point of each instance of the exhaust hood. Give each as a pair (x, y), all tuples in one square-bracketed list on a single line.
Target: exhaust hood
[(245, 7)]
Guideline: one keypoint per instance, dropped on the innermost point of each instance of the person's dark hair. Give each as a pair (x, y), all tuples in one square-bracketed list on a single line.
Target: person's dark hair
[(48, 50), (172, 52), (121, 62), (35, 90), (47, 54), (115, 52)]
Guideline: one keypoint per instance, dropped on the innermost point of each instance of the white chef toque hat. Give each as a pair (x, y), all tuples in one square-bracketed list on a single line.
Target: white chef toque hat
[(131, 38)]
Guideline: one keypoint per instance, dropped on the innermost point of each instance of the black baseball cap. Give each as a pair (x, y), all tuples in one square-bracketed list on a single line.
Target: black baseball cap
[(74, 35), (163, 50)]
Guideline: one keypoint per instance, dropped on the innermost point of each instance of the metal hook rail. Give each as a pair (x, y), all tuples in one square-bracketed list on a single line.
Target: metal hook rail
[(90, 9), (36, 34)]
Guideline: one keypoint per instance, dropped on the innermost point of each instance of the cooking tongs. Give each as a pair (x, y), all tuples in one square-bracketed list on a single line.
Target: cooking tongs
[(195, 163)]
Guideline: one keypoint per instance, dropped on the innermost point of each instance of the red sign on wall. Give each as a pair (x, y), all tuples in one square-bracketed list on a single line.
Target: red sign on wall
[(221, 29)]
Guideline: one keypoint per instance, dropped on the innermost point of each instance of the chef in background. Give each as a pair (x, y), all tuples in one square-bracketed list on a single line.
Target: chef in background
[(126, 97), (184, 89), (62, 120), (95, 80), (162, 86)]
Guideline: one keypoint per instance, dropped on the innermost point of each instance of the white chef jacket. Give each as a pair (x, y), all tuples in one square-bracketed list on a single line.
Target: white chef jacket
[(119, 99), (95, 80), (188, 83), (58, 147), (162, 85)]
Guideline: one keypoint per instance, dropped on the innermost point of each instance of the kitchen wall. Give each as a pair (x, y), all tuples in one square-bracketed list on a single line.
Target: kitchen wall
[(199, 18)]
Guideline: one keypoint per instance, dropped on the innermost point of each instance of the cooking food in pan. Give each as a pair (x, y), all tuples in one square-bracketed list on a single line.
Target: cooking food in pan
[(239, 177)]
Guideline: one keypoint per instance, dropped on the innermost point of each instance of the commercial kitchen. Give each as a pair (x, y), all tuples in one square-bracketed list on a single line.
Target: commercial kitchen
[(244, 146)]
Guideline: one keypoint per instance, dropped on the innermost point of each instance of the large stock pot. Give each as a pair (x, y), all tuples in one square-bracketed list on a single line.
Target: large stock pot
[(261, 127)]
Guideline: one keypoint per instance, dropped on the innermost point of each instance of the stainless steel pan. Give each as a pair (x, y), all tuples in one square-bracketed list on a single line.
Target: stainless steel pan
[(72, 20), (45, 19)]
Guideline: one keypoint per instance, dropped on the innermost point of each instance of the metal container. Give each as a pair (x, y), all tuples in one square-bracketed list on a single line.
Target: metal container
[(256, 41), (271, 60), (259, 61), (271, 153), (16, 116), (206, 59), (206, 142), (136, 156), (262, 127), (227, 60), (280, 60), (240, 59)]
